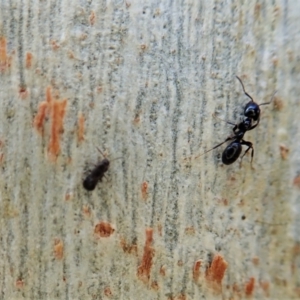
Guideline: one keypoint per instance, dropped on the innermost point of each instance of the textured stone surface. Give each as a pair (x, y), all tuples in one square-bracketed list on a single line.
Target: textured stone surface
[(141, 82)]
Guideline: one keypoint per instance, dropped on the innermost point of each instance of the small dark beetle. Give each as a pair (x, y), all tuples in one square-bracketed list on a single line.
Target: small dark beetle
[(96, 174), (251, 120)]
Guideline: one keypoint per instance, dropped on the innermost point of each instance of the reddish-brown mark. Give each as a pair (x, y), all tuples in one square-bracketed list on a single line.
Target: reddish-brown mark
[(278, 103), (255, 261), (296, 181), (144, 190), (68, 196), (86, 211), (107, 291), (28, 60), (162, 271), (41, 116), (104, 229), (20, 283), (196, 270), (179, 297), (284, 151), (215, 272), (56, 110), (190, 230), (55, 45), (128, 248), (58, 249), (144, 269), (5, 60), (265, 285), (92, 18), (249, 287), (80, 130), (23, 92), (154, 285)]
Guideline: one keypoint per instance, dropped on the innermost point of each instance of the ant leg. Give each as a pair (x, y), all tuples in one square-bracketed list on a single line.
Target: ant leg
[(270, 100), (244, 89), (250, 146), (252, 127), (228, 139), (231, 123)]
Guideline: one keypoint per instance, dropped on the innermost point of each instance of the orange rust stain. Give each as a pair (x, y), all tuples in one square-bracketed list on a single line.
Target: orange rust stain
[(215, 272), (20, 283), (92, 18), (296, 181), (107, 291), (80, 130), (284, 151), (128, 248), (58, 111), (104, 229), (144, 268), (28, 60), (265, 285), (249, 286), (255, 261), (41, 116), (196, 270), (4, 58), (144, 190), (58, 249)]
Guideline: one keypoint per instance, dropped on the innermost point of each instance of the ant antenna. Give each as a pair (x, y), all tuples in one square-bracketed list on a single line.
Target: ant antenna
[(270, 100), (214, 115), (244, 88), (100, 152), (228, 139), (116, 158), (105, 156)]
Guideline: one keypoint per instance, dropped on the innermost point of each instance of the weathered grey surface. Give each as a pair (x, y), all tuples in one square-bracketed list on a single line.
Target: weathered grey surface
[(147, 79)]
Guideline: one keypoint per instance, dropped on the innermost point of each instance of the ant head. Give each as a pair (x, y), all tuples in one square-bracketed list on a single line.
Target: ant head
[(105, 162), (252, 111)]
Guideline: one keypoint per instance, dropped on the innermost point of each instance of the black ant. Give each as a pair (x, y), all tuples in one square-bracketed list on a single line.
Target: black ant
[(96, 174), (234, 149)]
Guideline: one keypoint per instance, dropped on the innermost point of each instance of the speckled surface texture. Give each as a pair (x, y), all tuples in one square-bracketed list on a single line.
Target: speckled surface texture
[(141, 82)]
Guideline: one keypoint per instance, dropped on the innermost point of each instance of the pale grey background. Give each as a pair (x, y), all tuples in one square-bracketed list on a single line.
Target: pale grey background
[(148, 76)]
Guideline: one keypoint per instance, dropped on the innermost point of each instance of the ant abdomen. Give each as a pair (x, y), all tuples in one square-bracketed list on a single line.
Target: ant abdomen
[(90, 183), (231, 153)]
